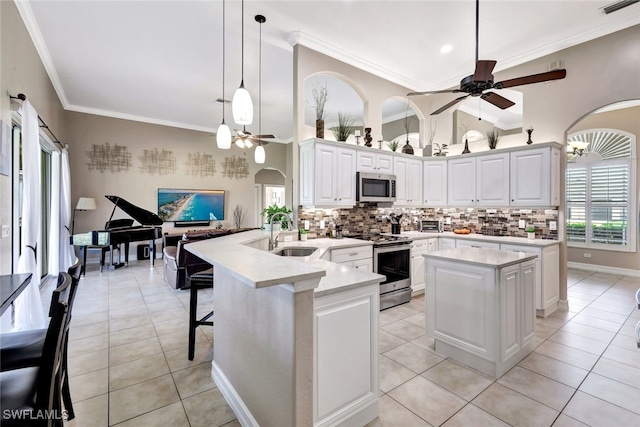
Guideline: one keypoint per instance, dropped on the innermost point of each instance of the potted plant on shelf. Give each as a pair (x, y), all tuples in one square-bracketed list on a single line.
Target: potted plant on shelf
[(531, 232), (320, 96), (269, 211), (492, 138), (393, 145), (346, 126)]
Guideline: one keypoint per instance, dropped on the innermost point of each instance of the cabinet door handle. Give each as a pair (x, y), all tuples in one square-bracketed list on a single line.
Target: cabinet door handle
[(353, 254), (512, 200)]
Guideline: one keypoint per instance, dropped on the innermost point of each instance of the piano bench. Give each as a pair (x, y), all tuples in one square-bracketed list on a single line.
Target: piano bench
[(104, 250)]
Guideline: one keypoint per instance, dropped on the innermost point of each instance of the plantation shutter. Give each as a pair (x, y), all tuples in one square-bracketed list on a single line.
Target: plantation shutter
[(576, 204), (609, 201)]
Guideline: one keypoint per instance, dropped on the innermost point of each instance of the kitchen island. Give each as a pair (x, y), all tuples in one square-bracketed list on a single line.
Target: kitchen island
[(480, 306), (296, 338)]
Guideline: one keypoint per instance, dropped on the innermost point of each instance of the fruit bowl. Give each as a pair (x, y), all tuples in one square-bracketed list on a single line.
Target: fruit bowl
[(461, 231)]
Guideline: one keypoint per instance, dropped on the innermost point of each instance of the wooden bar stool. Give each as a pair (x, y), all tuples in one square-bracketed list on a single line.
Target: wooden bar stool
[(197, 281)]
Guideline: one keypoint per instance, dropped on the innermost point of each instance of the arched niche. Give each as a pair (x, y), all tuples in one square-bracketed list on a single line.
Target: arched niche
[(475, 114), (402, 121), (269, 189), (343, 97)]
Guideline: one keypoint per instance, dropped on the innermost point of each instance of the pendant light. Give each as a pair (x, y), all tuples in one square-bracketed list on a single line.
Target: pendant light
[(259, 155), (223, 134), (241, 105)]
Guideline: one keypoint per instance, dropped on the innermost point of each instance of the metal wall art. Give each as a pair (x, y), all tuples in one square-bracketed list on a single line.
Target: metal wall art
[(200, 165), (161, 162), (105, 158), (235, 167)]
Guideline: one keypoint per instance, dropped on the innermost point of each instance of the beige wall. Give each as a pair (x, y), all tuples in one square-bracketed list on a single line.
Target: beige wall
[(86, 130), (628, 120), (21, 71)]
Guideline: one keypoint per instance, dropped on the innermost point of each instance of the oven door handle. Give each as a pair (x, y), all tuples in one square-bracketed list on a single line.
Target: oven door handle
[(392, 248)]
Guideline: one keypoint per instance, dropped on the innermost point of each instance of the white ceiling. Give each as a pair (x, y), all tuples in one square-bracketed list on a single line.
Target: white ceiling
[(160, 61)]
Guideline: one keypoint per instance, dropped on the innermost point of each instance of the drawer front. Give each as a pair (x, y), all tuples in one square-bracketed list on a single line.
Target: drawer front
[(522, 248), (350, 254), (477, 244), (420, 246)]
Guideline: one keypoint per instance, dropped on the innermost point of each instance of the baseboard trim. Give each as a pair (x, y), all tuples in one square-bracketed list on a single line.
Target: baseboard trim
[(233, 398), (604, 269)]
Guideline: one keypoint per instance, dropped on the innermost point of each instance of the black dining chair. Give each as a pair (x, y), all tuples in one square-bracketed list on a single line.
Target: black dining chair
[(24, 349), (31, 395)]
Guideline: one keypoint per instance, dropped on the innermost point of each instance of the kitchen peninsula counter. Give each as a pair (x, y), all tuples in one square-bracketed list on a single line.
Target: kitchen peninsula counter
[(282, 327), (523, 241)]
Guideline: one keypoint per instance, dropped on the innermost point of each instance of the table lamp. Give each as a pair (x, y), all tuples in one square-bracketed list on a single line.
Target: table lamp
[(84, 204)]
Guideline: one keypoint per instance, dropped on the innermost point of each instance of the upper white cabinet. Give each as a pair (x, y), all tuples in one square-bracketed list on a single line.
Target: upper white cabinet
[(535, 177), (434, 184), (327, 175), (479, 181), (408, 174), (375, 162)]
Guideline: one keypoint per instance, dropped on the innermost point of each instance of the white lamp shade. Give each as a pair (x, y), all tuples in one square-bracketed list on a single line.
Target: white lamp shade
[(259, 155), (86, 204), (223, 137), (242, 107), (248, 143), (240, 142)]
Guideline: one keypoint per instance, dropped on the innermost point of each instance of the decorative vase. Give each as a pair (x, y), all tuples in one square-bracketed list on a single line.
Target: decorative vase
[(367, 137), (466, 147), (320, 129), (531, 235), (407, 148), (529, 141), (303, 237)]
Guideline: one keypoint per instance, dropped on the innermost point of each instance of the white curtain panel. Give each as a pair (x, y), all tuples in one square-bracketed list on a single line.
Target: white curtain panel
[(28, 306), (67, 254)]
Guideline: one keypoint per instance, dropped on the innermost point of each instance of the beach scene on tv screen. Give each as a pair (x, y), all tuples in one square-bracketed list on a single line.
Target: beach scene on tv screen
[(190, 205)]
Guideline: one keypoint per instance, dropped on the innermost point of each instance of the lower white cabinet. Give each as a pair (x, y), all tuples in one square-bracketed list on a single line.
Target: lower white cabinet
[(420, 247), (346, 344), (446, 243), (547, 289), (360, 257)]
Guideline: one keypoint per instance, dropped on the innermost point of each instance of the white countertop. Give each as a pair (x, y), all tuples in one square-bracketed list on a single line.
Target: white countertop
[(260, 268), (481, 256), (481, 237)]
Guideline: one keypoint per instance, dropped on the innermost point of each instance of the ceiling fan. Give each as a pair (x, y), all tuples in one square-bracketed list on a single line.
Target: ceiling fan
[(244, 138), (482, 80)]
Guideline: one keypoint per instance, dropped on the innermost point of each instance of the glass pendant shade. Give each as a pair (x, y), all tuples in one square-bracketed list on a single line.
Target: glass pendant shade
[(242, 106), (259, 155), (239, 143), (223, 137), (248, 143)]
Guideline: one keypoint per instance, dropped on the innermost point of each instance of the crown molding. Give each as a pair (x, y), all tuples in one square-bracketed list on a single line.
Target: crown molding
[(25, 11)]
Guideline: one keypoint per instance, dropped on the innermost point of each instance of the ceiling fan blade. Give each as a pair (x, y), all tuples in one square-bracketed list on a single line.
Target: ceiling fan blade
[(534, 78), (483, 71), (263, 136), (260, 141), (497, 100), (449, 105), (431, 92)]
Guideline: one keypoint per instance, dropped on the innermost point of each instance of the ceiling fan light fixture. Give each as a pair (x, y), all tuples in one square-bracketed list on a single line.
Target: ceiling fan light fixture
[(248, 143), (259, 155), (223, 136), (240, 143), (577, 148)]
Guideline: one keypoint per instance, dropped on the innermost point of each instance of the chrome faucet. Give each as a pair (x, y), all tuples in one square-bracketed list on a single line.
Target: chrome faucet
[(274, 243)]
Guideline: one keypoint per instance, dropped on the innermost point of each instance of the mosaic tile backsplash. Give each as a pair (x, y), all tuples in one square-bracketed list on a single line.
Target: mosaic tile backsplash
[(369, 218)]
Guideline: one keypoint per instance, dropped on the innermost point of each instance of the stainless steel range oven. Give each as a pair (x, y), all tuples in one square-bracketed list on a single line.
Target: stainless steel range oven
[(392, 258)]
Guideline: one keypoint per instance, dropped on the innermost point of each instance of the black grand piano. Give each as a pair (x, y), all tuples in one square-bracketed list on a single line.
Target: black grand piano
[(121, 232)]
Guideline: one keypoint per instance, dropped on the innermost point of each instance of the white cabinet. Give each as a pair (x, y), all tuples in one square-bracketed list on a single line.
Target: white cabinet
[(476, 244), (408, 174), (346, 346), (446, 243), (327, 175), (360, 257), (374, 162), (547, 285), (420, 247), (434, 183), (535, 177), (479, 181)]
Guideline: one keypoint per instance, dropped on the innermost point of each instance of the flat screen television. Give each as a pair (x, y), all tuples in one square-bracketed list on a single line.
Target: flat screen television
[(190, 205)]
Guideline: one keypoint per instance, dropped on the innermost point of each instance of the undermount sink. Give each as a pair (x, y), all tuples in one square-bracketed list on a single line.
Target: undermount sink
[(296, 251)]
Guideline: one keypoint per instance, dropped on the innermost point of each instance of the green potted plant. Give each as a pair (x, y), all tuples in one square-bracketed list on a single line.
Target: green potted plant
[(281, 221), (531, 232), (346, 126), (492, 138), (303, 234), (393, 145)]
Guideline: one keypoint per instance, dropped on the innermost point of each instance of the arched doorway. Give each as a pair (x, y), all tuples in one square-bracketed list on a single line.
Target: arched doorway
[(269, 189)]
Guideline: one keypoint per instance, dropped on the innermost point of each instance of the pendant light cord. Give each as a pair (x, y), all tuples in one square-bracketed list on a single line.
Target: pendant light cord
[(223, 54), (260, 86), (242, 70)]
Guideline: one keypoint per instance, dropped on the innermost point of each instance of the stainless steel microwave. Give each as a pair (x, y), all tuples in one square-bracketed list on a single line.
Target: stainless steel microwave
[(375, 187)]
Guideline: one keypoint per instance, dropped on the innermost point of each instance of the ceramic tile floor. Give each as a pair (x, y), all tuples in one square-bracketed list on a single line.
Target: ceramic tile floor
[(128, 362)]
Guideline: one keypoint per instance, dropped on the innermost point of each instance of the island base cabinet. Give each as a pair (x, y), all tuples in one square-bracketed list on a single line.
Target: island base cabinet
[(481, 316), (345, 370)]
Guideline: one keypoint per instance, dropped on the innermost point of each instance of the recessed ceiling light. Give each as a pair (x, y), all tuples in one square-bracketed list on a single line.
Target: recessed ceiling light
[(446, 48)]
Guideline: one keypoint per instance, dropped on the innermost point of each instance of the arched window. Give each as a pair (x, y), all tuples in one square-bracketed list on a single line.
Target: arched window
[(600, 188)]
